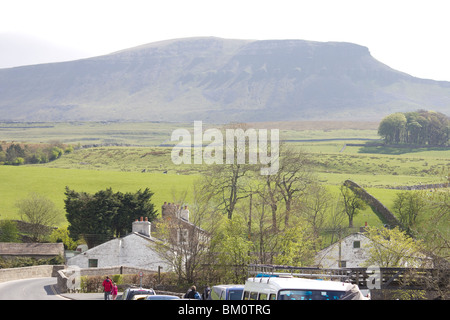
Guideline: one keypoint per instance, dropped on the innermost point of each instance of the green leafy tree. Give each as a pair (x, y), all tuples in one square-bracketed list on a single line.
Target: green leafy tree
[(295, 246), (132, 206), (352, 203), (419, 127), (13, 152), (233, 247), (408, 205), (105, 214), (392, 127), (390, 248), (62, 235), (9, 231)]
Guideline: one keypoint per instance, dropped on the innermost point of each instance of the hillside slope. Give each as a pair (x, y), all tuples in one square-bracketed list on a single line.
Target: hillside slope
[(217, 80)]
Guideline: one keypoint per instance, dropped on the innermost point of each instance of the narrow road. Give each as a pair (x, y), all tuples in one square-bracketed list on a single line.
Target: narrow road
[(29, 289)]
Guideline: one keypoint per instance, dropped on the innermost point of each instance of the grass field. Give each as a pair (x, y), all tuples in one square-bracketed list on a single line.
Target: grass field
[(17, 182), (121, 167), (156, 133)]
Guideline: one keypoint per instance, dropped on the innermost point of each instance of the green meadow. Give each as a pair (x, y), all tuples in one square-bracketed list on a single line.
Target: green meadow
[(17, 182), (137, 161)]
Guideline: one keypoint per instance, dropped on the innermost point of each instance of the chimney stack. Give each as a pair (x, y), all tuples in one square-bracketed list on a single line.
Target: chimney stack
[(141, 227)]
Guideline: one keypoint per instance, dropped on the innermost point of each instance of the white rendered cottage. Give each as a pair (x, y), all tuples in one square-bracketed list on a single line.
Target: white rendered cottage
[(137, 249), (350, 252)]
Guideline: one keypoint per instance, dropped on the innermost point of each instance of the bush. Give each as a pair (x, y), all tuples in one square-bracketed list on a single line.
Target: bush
[(9, 231), (117, 279), (169, 281)]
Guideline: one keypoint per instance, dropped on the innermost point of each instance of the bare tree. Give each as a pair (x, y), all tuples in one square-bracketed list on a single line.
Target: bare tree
[(227, 183), (41, 213), (270, 194), (315, 206), (186, 243), (294, 175), (336, 219)]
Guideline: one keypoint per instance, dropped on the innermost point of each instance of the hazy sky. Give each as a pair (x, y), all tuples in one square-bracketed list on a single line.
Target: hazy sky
[(408, 35)]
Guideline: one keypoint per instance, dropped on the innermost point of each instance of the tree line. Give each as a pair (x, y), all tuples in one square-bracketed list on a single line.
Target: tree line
[(417, 128), (284, 218), (17, 154), (105, 214)]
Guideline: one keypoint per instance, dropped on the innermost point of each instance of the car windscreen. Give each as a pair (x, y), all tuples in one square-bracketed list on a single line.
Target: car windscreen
[(296, 294)]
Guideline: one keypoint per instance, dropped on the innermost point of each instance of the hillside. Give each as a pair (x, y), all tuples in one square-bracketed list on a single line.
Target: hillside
[(218, 80)]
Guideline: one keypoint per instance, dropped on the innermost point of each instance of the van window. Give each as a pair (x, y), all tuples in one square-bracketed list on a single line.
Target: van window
[(273, 296), (309, 295), (262, 296), (235, 294), (246, 295), (215, 293), (253, 295)]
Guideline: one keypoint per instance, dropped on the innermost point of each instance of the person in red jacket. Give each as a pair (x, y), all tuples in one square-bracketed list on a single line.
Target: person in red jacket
[(107, 285)]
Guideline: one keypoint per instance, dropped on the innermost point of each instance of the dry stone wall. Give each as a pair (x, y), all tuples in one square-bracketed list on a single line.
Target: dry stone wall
[(380, 208)]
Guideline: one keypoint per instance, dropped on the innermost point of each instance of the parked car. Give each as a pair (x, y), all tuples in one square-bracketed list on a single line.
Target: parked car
[(140, 297), (227, 292), (129, 293), (162, 297)]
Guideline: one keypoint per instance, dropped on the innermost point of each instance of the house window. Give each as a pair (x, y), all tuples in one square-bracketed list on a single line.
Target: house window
[(182, 236), (93, 263), (342, 264), (356, 244)]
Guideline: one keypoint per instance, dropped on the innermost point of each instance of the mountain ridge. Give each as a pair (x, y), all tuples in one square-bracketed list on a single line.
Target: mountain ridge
[(218, 80)]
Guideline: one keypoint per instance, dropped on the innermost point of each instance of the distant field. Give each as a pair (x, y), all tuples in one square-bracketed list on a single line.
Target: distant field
[(156, 133), (17, 182), (142, 162), (375, 170), (89, 133)]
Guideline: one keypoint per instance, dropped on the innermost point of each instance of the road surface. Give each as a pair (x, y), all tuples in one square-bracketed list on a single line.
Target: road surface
[(29, 289)]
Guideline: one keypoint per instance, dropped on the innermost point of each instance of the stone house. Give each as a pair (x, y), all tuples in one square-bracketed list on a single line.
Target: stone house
[(139, 248), (350, 252), (182, 230)]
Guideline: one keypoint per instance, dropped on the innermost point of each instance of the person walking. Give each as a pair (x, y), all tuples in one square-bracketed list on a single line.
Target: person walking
[(114, 290), (206, 293), (107, 286), (193, 294)]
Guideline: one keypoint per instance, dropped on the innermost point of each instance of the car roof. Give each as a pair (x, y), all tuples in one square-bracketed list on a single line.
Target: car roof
[(227, 286), (298, 283)]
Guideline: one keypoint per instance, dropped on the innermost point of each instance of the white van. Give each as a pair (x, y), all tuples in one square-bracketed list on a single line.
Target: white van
[(291, 288), (226, 292)]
